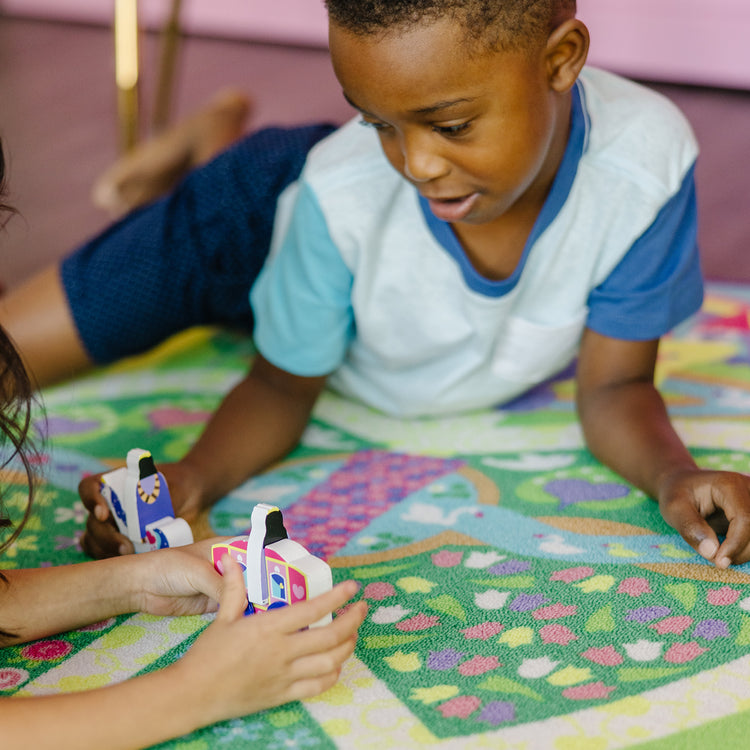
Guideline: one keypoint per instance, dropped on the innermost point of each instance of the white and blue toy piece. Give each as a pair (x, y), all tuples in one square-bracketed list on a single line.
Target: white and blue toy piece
[(139, 499)]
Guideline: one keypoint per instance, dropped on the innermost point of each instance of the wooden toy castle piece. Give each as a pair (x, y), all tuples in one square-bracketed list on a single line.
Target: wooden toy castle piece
[(138, 496), (277, 570)]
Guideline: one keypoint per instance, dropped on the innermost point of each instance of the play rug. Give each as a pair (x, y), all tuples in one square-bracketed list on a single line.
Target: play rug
[(520, 595)]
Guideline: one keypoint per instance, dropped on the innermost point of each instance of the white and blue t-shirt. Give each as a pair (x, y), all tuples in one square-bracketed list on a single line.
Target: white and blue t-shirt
[(366, 284)]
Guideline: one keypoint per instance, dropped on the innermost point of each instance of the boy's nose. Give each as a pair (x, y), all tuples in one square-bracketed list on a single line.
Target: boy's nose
[(422, 162)]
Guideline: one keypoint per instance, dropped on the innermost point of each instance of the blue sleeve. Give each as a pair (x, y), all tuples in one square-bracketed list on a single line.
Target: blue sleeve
[(658, 283), (304, 321)]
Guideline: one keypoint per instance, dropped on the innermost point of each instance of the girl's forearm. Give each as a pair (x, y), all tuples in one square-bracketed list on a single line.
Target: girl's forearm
[(133, 714), (39, 602)]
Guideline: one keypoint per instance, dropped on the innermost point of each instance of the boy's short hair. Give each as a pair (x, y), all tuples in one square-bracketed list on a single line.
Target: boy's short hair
[(500, 24)]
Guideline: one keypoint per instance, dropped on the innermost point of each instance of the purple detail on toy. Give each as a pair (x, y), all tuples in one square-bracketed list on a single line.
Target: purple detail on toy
[(571, 491), (511, 567), (710, 629), (498, 712), (647, 614), (55, 426), (439, 661), (372, 480), (527, 602), (160, 504)]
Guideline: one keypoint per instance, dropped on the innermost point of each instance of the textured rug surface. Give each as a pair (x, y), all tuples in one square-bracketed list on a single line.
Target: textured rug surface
[(520, 595)]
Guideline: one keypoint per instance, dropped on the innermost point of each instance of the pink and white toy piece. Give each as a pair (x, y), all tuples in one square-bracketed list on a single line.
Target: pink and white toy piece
[(277, 570), (139, 499)]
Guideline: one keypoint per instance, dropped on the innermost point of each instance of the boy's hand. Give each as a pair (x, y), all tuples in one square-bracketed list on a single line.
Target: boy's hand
[(247, 664), (102, 539), (698, 504)]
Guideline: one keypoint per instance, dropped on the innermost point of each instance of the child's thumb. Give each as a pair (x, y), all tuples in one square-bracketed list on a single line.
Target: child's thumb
[(233, 598)]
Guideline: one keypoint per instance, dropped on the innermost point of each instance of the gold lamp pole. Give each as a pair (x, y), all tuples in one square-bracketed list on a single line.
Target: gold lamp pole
[(170, 37), (126, 70)]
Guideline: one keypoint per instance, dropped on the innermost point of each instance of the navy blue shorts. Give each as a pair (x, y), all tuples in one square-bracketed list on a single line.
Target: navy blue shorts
[(189, 258)]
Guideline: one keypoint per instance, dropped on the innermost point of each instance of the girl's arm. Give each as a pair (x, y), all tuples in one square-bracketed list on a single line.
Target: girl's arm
[(239, 665), (40, 602), (627, 427)]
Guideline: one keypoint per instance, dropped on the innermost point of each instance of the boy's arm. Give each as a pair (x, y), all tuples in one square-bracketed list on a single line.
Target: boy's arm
[(258, 422), (627, 427)]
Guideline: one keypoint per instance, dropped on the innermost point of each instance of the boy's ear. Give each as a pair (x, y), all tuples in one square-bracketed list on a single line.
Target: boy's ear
[(567, 49)]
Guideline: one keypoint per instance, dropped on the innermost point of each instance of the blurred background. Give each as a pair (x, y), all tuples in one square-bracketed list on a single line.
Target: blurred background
[(59, 115)]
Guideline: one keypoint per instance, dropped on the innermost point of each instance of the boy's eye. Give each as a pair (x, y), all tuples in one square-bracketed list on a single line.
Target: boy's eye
[(371, 124), (452, 130)]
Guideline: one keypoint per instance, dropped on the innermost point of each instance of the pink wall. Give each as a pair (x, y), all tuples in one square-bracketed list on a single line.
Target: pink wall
[(692, 41)]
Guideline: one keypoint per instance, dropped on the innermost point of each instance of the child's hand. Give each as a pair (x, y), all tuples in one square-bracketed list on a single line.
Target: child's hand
[(101, 538), (177, 581), (698, 504), (241, 664)]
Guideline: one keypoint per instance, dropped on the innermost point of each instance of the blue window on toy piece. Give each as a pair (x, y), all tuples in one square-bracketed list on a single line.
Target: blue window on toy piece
[(278, 586)]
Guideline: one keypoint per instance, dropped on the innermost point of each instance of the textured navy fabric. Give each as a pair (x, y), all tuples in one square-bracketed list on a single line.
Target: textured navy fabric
[(189, 258)]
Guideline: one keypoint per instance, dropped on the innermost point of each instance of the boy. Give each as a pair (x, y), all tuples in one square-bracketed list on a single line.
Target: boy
[(503, 212)]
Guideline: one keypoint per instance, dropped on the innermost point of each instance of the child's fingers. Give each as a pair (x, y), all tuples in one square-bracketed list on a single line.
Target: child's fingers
[(90, 492), (322, 640), (693, 528), (733, 497), (302, 614), (233, 597), (317, 672), (103, 540)]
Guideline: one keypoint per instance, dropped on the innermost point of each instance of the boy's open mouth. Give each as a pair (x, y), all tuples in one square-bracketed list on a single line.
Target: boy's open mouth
[(452, 209)]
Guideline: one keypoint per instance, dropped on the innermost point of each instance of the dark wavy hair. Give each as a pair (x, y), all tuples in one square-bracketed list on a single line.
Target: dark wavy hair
[(16, 401)]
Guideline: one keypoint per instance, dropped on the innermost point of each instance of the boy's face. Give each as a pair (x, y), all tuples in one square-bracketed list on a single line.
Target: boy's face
[(477, 134)]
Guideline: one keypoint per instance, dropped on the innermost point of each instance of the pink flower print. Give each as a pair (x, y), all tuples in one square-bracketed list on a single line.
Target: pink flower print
[(447, 559), (479, 665), (554, 611), (460, 707), (554, 633), (570, 575), (607, 656), (591, 691), (675, 625), (11, 678), (46, 650), (679, 653), (723, 596), (484, 631), (634, 587), (379, 591), (418, 622)]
